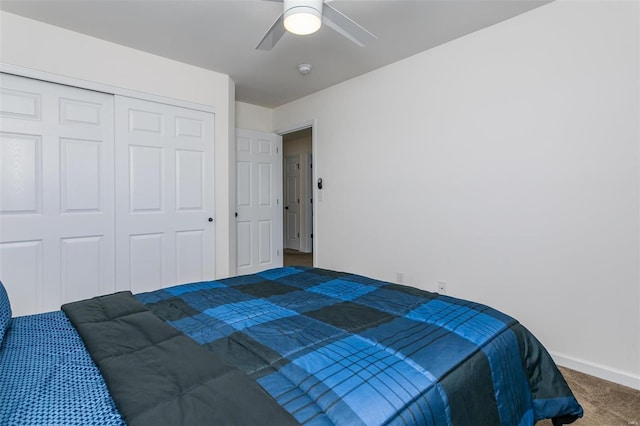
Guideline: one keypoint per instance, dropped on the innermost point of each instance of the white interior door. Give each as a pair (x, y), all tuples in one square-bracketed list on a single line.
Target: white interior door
[(292, 202), (258, 195), (56, 193), (164, 201)]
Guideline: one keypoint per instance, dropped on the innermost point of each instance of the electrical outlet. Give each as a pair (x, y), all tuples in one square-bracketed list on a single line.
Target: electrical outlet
[(442, 287), (400, 277)]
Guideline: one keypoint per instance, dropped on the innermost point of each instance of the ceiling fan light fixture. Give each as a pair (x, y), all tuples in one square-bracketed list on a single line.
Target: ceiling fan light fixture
[(302, 17)]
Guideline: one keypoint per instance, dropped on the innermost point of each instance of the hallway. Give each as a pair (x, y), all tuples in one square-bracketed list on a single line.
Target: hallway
[(297, 258)]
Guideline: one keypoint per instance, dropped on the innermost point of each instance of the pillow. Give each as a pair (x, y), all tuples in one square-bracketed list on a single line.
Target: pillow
[(5, 312)]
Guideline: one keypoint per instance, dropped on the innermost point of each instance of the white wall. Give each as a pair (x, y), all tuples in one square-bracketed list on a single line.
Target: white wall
[(504, 163), (254, 117), (32, 44)]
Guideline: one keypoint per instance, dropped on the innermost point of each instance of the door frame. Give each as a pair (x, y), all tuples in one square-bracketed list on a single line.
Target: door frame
[(308, 201), (313, 124)]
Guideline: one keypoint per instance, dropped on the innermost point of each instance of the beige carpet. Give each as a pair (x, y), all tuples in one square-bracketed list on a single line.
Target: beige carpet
[(297, 258), (604, 403)]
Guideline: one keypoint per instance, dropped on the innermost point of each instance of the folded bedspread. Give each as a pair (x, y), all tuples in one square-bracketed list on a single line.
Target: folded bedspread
[(337, 348), (158, 376)]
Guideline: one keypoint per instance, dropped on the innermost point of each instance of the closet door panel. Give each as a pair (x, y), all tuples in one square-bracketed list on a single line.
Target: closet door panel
[(20, 175), (57, 236), (164, 176)]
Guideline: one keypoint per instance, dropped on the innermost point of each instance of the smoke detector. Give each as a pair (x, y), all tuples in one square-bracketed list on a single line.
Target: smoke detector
[(304, 69)]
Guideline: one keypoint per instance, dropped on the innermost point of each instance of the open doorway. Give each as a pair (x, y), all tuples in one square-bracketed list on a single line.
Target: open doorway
[(297, 203)]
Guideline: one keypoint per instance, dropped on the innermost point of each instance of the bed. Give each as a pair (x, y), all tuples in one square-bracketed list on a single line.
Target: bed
[(291, 345)]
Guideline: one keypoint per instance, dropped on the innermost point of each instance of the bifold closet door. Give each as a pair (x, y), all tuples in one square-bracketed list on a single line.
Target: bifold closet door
[(164, 195), (56, 193)]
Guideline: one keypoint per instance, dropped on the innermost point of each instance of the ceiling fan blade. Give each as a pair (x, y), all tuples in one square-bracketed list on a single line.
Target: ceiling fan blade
[(272, 36), (346, 26)]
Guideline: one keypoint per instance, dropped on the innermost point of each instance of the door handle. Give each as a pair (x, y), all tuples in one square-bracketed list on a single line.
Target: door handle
[(210, 219), (286, 207)]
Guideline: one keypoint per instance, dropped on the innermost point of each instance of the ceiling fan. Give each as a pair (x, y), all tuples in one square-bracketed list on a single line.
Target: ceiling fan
[(306, 16)]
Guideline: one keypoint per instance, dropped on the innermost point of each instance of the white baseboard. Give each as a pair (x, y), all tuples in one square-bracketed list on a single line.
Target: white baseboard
[(601, 371)]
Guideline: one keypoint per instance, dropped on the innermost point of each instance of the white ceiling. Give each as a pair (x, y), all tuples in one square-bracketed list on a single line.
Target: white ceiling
[(221, 35)]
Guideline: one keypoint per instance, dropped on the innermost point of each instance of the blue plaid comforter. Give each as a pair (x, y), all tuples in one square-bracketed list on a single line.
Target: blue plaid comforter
[(337, 348)]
